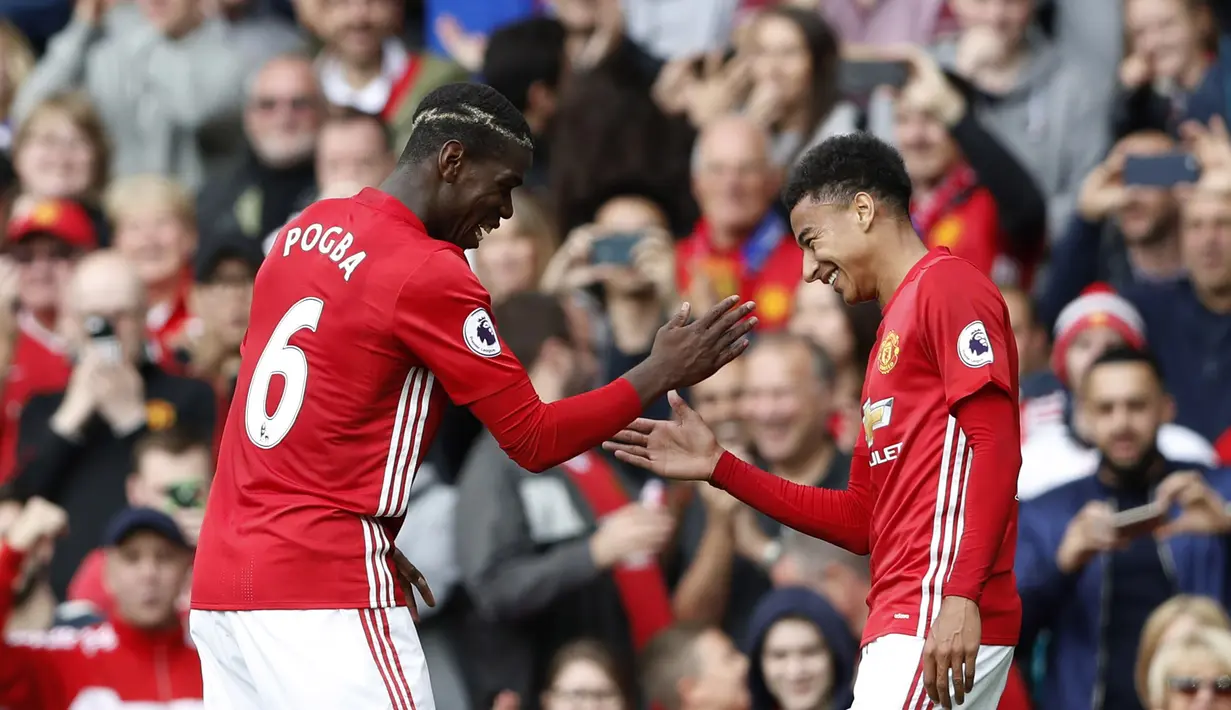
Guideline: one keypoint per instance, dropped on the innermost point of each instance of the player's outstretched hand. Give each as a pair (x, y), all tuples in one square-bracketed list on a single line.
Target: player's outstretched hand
[(952, 646), (410, 579), (683, 449), (687, 353)]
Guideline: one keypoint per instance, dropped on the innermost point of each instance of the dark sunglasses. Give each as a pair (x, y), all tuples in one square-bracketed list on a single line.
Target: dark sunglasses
[(56, 250), (1220, 686)]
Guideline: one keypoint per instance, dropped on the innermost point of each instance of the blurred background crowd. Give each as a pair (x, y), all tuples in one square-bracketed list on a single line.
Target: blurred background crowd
[(1075, 150)]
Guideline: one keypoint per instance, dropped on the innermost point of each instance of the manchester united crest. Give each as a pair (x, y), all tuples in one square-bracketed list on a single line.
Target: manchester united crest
[(887, 357)]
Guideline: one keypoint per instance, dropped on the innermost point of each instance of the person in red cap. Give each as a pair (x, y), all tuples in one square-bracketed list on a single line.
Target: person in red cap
[(38, 253), (1054, 450)]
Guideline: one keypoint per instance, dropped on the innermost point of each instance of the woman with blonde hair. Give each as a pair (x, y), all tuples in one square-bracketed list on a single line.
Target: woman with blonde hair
[(1192, 672), (1174, 619), (512, 258), (61, 150)]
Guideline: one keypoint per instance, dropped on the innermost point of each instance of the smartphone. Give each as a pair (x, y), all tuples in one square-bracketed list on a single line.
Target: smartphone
[(103, 338), (859, 77), (615, 248), (186, 495), (1142, 520), (1166, 170)]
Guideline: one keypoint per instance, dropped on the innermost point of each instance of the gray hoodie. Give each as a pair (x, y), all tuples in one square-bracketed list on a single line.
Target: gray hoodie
[(160, 99), (1056, 121)]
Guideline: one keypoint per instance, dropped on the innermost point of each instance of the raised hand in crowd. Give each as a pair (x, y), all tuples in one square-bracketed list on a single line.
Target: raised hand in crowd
[(979, 49), (100, 385), (1202, 510), (38, 523), (90, 12), (1090, 532), (465, 48), (1103, 192), (1211, 146), (931, 91), (629, 532), (507, 700), (1136, 70)]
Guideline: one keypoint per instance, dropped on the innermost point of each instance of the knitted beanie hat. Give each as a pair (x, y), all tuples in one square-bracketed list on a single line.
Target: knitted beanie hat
[(1098, 305)]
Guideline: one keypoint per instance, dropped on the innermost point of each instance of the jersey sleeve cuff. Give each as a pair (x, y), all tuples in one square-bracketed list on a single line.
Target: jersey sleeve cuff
[(725, 472)]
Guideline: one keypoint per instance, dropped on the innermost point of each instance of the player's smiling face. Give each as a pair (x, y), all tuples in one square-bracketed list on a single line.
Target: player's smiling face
[(836, 245), (482, 193)]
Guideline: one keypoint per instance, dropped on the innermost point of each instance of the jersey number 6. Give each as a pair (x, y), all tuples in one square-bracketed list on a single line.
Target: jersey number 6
[(280, 358)]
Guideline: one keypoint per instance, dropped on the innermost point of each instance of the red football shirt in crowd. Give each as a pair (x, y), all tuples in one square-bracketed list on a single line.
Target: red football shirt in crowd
[(764, 268), (39, 365), (932, 493), (361, 325)]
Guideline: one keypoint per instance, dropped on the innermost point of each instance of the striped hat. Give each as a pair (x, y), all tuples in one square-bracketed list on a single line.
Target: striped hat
[(1098, 305)]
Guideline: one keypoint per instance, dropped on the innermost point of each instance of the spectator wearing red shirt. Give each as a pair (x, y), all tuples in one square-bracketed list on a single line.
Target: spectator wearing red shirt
[(741, 245), (153, 220), (42, 243), (140, 655), (970, 194)]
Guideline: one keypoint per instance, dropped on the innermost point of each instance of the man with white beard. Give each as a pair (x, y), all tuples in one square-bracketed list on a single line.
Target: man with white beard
[(275, 177)]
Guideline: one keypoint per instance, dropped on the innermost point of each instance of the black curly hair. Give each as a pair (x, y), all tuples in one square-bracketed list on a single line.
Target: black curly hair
[(844, 165)]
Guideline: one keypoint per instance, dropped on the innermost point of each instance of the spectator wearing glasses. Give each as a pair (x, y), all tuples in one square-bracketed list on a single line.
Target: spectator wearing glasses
[(1193, 673), (42, 246), (274, 177), (1174, 619), (75, 446), (584, 674), (171, 474)]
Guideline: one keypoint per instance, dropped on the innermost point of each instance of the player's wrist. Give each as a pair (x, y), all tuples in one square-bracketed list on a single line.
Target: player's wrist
[(648, 380)]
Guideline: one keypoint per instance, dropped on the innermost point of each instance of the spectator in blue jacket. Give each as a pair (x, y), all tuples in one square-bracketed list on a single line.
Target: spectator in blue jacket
[(1090, 583)]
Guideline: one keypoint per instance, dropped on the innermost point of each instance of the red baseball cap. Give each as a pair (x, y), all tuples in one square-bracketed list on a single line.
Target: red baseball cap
[(63, 219)]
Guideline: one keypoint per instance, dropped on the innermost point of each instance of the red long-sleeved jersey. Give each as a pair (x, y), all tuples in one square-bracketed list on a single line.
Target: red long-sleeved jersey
[(361, 326), (932, 493), (105, 666)]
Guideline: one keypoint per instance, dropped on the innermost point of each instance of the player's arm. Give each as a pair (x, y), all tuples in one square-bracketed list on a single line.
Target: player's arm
[(444, 317), (967, 334), (839, 517)]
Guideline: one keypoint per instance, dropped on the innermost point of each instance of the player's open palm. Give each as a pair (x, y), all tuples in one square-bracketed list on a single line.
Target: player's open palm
[(687, 353), (683, 449)]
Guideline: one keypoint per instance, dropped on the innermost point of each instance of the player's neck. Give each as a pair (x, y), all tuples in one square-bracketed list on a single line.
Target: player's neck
[(413, 191), (897, 261), (811, 466)]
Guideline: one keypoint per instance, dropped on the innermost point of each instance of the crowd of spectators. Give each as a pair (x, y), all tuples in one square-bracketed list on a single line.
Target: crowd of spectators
[(151, 150)]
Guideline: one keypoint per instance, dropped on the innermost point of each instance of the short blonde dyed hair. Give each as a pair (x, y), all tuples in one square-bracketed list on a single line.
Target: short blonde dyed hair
[(1206, 611), (80, 111), (138, 193), (1206, 643)]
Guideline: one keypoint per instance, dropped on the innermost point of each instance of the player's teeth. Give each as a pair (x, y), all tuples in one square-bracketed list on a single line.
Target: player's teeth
[(832, 278)]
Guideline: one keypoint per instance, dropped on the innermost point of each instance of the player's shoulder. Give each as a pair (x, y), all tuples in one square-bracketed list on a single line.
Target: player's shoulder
[(946, 276)]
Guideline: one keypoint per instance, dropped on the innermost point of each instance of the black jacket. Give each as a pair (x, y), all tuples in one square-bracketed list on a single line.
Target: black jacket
[(87, 477)]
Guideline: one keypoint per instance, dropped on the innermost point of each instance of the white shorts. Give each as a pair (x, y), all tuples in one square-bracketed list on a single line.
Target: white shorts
[(890, 677), (313, 658)]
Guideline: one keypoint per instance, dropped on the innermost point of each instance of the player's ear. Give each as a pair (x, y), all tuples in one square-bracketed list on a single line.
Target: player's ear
[(864, 208), (449, 161)]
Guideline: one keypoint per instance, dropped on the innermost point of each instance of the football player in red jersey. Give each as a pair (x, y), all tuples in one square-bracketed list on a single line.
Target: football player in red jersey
[(365, 317), (933, 482)]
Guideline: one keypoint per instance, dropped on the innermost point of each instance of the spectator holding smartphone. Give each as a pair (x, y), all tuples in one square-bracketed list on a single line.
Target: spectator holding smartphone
[(1076, 563), (74, 447)]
